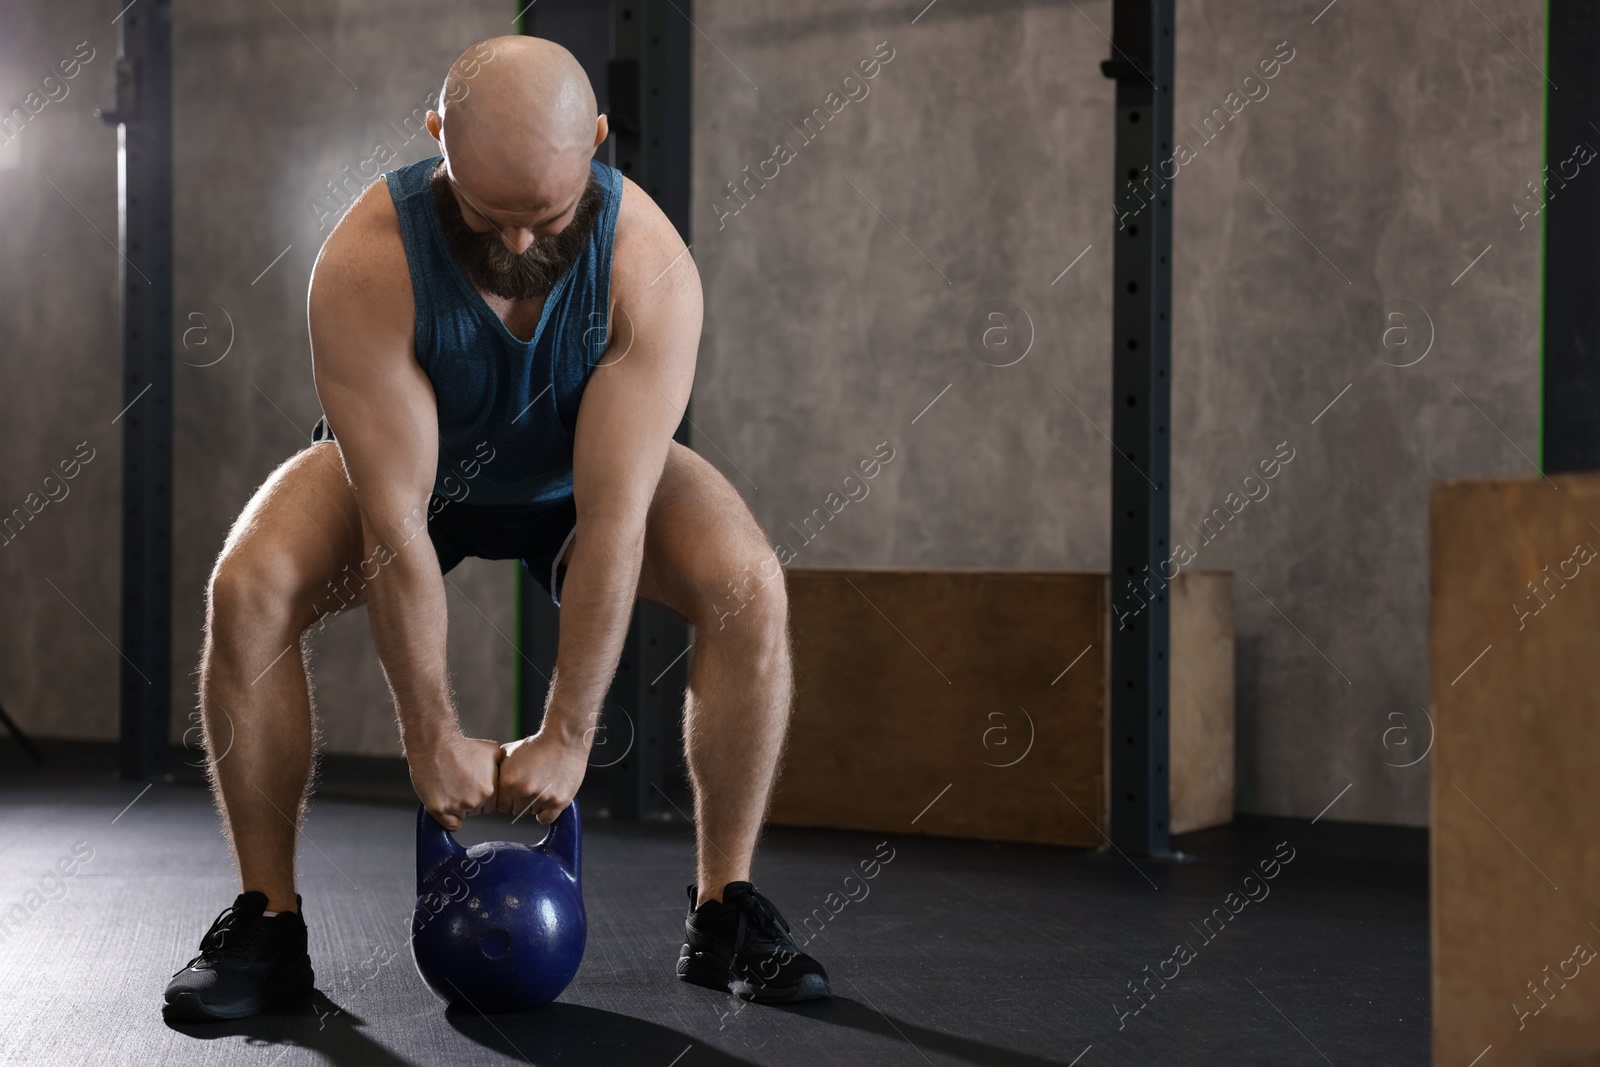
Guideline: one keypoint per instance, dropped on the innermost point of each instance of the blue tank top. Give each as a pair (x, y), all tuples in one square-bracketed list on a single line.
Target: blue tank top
[(508, 409)]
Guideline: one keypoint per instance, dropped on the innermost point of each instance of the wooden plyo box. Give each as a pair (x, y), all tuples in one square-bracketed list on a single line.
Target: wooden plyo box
[(1514, 650), (973, 703)]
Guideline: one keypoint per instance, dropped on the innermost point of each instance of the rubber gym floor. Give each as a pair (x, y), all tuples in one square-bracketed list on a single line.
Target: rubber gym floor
[(959, 952)]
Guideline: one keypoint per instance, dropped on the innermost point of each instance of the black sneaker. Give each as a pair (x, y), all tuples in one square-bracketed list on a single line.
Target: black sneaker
[(741, 945), (246, 962)]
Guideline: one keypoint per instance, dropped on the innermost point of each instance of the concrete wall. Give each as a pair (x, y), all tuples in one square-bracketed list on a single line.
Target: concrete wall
[(59, 383), (1384, 156), (268, 111), (851, 292)]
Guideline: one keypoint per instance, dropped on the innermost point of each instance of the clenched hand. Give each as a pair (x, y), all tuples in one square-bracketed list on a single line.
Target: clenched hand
[(455, 777), (540, 775)]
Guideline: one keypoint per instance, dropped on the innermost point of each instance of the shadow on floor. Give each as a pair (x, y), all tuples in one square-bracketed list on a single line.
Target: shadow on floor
[(842, 1011), (564, 1033), (574, 1034), (319, 1025)]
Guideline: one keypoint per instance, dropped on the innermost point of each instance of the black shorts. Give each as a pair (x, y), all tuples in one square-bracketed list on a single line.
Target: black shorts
[(537, 534)]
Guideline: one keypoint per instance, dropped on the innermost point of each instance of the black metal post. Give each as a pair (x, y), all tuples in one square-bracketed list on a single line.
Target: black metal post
[(1142, 64), (584, 29), (648, 101), (641, 80), (1570, 218), (144, 182)]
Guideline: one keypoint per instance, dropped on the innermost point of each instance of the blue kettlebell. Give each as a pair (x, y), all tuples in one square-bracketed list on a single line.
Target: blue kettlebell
[(499, 926)]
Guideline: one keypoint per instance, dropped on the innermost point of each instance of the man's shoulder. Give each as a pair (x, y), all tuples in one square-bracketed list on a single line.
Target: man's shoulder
[(364, 253), (648, 252)]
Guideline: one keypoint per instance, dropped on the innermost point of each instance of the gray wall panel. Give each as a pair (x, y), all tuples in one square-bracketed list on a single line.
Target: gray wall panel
[(264, 117), (1384, 156)]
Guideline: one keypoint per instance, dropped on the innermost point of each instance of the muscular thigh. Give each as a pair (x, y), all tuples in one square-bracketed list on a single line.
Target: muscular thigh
[(704, 551), (296, 548)]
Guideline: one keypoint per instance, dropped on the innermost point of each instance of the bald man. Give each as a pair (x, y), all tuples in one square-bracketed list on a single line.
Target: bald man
[(503, 341)]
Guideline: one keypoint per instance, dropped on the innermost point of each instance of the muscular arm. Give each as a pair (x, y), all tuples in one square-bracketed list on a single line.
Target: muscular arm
[(631, 406), (381, 408)]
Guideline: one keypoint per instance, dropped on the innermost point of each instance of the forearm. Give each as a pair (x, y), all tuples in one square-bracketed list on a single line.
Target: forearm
[(597, 600), (407, 610)]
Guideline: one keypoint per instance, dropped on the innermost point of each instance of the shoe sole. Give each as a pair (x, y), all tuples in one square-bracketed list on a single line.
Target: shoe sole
[(705, 970), (188, 1007)]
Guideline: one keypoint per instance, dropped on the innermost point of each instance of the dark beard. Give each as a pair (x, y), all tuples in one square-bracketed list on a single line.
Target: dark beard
[(494, 268)]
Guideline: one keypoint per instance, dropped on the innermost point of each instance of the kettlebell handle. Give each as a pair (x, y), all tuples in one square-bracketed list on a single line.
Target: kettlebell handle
[(563, 841), (437, 846)]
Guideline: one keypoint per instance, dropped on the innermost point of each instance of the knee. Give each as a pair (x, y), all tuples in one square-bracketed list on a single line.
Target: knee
[(749, 602), (250, 594)]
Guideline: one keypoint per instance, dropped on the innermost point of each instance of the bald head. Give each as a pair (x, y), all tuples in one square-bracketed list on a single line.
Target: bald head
[(518, 125)]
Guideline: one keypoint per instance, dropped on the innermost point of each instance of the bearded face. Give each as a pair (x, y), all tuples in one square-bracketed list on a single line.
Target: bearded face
[(494, 268)]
